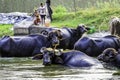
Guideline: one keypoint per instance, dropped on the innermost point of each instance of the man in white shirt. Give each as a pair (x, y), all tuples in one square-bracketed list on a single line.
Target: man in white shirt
[(42, 11)]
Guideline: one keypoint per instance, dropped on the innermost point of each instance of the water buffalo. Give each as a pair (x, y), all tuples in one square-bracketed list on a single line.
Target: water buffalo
[(72, 59), (69, 36), (26, 46), (94, 47), (115, 26), (110, 56)]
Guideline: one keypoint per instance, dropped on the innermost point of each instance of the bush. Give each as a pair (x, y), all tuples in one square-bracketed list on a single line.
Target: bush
[(60, 9)]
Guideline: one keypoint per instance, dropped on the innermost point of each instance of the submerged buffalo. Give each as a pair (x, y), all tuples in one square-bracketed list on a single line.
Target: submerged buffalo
[(69, 36), (110, 56), (94, 47), (26, 46), (72, 59)]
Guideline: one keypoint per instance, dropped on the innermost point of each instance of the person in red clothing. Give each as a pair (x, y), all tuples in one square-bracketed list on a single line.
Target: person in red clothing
[(37, 17)]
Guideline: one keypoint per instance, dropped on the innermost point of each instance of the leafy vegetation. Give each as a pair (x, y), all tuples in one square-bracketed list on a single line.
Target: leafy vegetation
[(6, 30), (7, 6)]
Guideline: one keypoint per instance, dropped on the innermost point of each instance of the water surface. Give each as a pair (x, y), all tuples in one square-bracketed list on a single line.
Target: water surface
[(26, 68)]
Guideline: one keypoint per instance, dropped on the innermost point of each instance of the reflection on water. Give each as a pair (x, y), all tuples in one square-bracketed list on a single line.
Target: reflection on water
[(25, 68)]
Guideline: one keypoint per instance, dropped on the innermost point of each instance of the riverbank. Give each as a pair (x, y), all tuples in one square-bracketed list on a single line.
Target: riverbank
[(92, 17)]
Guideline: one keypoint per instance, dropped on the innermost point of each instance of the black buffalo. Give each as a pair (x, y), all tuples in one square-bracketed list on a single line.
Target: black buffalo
[(111, 57), (94, 47), (69, 36), (26, 46), (72, 59)]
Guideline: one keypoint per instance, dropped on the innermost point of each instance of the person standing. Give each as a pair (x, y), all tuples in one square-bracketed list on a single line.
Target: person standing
[(42, 12), (50, 12), (48, 2)]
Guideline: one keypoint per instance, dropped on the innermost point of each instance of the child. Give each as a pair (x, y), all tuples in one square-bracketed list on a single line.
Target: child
[(37, 17)]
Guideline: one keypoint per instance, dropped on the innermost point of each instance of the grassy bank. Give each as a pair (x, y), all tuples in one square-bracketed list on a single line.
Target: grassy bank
[(98, 18), (90, 17)]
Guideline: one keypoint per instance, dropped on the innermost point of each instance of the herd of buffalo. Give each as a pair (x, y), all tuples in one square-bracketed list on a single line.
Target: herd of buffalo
[(81, 50)]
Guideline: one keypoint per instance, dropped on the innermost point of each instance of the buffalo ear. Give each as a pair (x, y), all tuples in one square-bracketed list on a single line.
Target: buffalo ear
[(37, 57)]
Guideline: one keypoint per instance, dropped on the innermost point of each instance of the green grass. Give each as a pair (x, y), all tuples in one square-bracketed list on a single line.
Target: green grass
[(99, 18), (90, 17), (5, 29)]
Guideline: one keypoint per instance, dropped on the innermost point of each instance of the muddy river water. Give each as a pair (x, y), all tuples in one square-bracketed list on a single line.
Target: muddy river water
[(28, 69)]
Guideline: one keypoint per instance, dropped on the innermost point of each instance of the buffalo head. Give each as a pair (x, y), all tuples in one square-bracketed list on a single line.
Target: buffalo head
[(108, 55), (50, 56), (55, 37), (81, 29)]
